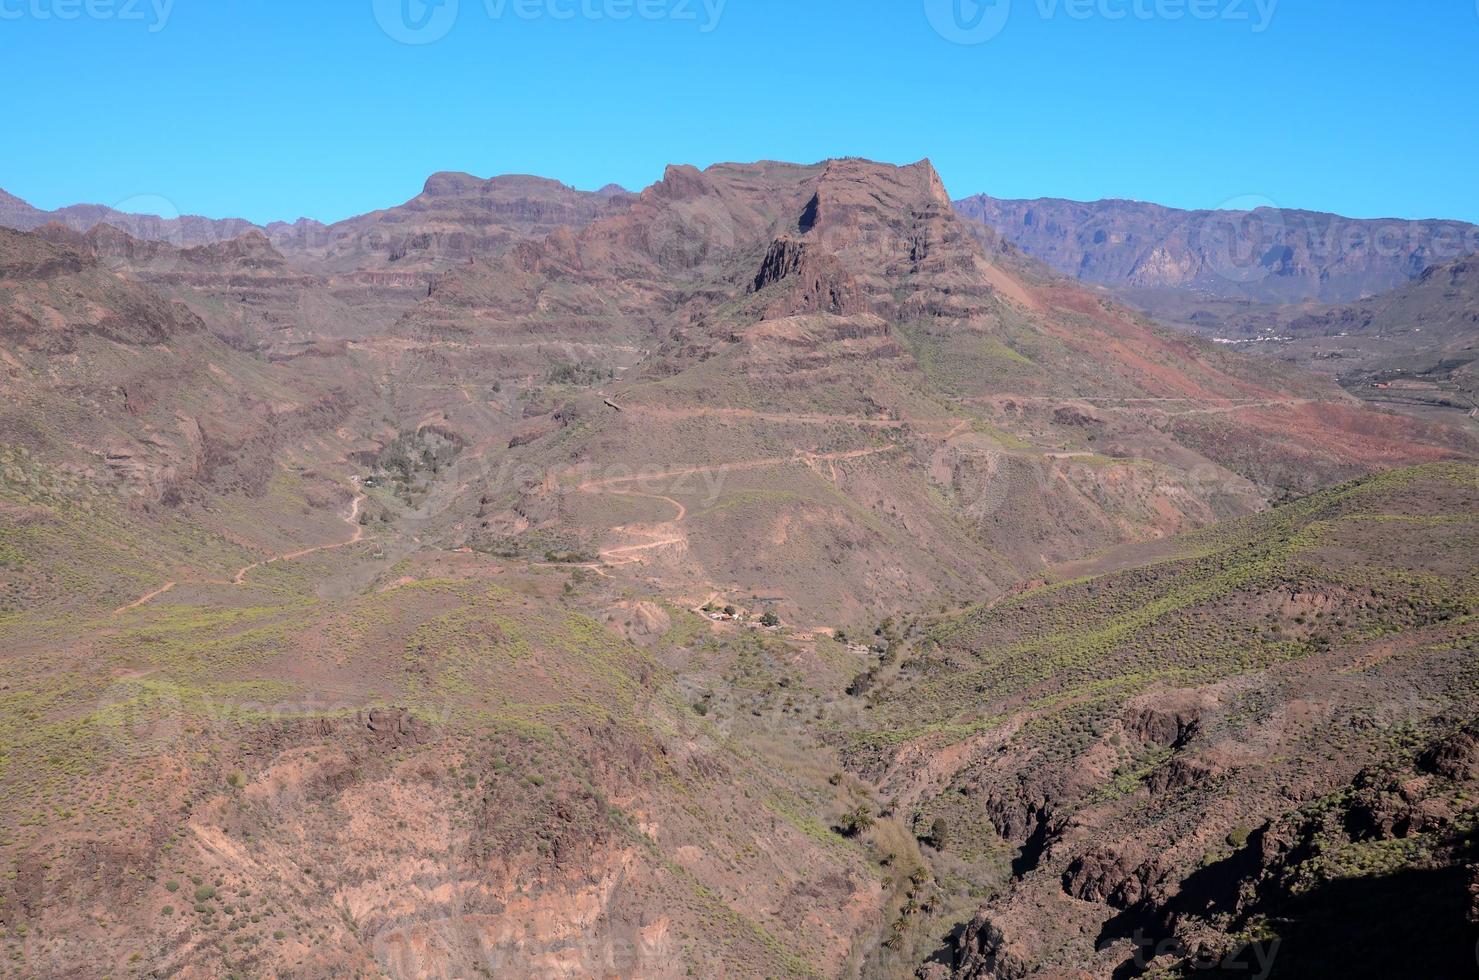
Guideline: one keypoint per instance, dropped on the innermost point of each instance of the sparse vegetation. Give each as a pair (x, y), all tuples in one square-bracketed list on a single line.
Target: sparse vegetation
[(858, 820)]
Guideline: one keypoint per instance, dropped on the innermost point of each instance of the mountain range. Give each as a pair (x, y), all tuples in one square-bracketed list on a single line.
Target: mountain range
[(1263, 254), (1269, 277), (454, 217), (772, 572)]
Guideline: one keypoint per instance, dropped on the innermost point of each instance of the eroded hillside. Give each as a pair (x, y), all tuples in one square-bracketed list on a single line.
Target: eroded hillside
[(628, 586)]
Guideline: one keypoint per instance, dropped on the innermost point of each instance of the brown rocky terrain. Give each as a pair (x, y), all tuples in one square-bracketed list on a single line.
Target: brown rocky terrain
[(1250, 748), (913, 382), (455, 218), (183, 231), (529, 583)]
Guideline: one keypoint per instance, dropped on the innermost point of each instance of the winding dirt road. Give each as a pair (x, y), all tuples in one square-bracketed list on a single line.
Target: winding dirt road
[(358, 536), (144, 600), (665, 412), (670, 533), (1135, 404), (240, 577)]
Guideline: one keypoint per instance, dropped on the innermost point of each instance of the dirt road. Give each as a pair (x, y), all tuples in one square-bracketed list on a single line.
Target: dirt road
[(240, 577)]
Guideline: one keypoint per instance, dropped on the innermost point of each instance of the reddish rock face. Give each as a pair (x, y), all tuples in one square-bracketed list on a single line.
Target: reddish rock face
[(464, 592)]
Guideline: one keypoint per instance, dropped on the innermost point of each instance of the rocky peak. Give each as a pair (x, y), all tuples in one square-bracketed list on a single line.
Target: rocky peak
[(818, 283), (252, 250), (39, 256), (451, 184), (679, 182), (15, 213)]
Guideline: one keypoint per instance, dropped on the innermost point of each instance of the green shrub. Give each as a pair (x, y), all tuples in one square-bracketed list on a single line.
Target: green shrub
[(858, 820)]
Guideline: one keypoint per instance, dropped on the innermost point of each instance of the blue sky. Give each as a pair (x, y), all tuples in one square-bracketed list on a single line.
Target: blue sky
[(270, 109)]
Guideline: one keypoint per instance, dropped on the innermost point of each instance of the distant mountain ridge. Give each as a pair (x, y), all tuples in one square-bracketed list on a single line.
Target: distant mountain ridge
[(1139, 249), (1265, 255), (184, 231), (456, 216)]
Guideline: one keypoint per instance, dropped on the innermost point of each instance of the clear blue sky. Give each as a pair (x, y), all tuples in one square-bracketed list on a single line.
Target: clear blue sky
[(271, 109)]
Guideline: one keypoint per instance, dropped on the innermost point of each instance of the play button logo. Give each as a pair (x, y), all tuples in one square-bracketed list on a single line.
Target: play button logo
[(415, 21), (968, 21)]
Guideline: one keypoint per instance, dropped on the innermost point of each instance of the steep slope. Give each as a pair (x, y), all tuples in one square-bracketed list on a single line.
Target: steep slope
[(138, 444), (247, 668), (289, 288), (1186, 754), (455, 771), (1260, 278), (1266, 255), (837, 396), (254, 297), (108, 375)]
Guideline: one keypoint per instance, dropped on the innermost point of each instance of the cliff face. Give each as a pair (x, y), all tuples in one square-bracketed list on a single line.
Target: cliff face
[(770, 576), (1265, 255)]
